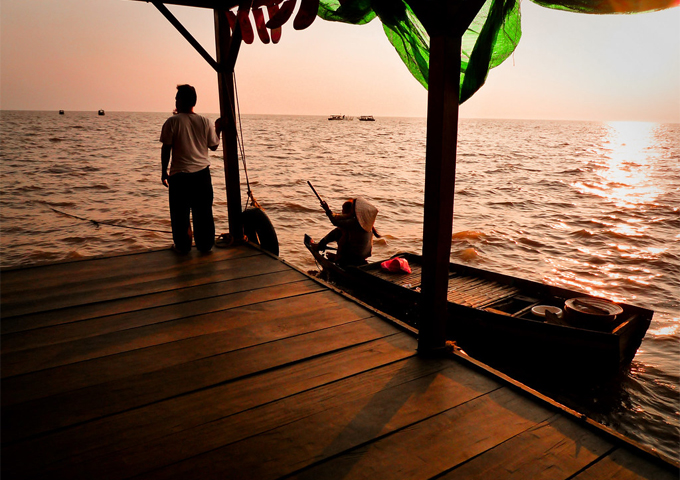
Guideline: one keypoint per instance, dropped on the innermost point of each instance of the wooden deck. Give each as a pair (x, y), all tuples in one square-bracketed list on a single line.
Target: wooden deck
[(236, 366)]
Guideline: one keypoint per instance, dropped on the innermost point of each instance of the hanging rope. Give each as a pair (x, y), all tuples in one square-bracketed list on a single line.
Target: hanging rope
[(241, 147)]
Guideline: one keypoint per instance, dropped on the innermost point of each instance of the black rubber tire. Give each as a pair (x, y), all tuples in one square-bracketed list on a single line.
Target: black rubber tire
[(259, 230)]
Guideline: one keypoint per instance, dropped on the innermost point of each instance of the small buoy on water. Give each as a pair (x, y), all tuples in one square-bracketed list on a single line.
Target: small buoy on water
[(61, 112), (468, 254), (468, 235)]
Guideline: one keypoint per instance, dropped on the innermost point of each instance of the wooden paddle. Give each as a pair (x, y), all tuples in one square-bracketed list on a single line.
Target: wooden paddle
[(314, 190)]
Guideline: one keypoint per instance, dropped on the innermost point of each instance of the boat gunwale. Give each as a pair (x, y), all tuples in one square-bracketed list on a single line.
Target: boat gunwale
[(521, 283)]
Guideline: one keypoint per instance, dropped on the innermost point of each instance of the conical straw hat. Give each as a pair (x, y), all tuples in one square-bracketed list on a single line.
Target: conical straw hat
[(365, 213)]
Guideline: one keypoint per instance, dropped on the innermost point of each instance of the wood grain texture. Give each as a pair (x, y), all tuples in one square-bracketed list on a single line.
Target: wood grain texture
[(124, 441), (552, 450), (31, 325), (206, 436), (117, 282), (50, 276), (625, 464), (203, 336), (283, 450), (233, 365), (436, 444), (163, 325), (86, 404)]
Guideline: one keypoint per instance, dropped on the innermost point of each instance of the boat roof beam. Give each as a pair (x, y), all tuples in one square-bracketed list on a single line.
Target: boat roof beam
[(212, 4), (185, 33)]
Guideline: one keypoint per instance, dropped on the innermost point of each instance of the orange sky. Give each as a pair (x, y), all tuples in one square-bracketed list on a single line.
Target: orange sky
[(125, 56)]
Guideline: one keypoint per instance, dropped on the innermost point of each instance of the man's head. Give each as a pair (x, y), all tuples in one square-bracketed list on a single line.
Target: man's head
[(185, 100), (348, 207)]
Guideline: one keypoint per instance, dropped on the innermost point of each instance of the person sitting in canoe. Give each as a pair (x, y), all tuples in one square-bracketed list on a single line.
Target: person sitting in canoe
[(353, 233)]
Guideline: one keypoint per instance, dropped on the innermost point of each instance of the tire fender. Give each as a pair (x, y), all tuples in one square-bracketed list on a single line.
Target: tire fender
[(259, 230)]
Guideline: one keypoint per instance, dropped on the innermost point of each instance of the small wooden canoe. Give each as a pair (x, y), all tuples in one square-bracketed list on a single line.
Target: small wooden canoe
[(501, 318)]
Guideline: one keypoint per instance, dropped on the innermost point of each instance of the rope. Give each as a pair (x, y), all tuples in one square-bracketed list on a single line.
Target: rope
[(240, 143), (223, 240), (98, 223)]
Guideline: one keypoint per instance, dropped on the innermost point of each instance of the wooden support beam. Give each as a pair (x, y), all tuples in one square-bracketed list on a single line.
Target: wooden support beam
[(440, 176), (440, 160), (227, 52), (185, 33)]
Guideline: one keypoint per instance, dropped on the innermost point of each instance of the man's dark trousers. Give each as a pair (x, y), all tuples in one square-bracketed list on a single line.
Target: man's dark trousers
[(192, 192)]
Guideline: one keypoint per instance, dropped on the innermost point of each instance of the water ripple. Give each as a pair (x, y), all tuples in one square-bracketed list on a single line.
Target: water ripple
[(567, 203)]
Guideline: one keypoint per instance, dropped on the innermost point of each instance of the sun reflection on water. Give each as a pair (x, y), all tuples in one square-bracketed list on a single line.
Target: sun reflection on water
[(667, 330), (639, 253), (628, 155), (623, 178)]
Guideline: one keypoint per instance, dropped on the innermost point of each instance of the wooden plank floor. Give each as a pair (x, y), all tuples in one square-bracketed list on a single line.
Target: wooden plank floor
[(235, 366)]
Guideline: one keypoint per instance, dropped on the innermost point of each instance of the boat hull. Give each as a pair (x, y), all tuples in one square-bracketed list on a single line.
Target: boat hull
[(542, 346), (490, 318)]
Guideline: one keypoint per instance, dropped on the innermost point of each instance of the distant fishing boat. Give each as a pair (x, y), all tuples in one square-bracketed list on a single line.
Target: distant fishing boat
[(101, 112), (340, 117), (366, 118), (61, 112)]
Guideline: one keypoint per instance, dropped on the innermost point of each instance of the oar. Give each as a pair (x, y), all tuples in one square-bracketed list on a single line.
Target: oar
[(324, 205), (322, 202), (314, 190)]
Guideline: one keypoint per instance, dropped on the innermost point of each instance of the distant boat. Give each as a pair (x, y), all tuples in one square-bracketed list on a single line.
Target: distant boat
[(366, 118), (101, 112), (61, 112), (340, 117)]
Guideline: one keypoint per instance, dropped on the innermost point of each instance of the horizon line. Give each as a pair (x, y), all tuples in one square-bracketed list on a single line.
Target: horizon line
[(462, 117)]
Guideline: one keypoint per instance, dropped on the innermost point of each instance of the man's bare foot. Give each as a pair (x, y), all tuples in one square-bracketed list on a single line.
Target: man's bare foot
[(178, 251)]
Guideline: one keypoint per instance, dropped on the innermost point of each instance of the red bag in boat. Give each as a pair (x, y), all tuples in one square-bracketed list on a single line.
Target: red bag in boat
[(397, 264)]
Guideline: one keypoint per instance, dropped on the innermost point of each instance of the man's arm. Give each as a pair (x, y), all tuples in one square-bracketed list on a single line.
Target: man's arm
[(342, 220), (218, 131), (165, 161)]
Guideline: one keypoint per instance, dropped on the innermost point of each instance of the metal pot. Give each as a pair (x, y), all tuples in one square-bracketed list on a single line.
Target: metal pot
[(593, 313)]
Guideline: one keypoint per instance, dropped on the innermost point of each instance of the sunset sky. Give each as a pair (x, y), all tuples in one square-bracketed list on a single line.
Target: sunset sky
[(122, 55)]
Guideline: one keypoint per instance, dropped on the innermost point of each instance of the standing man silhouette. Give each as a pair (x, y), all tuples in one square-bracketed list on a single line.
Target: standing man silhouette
[(186, 138)]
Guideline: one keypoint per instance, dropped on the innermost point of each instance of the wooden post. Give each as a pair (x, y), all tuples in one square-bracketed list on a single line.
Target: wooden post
[(440, 177), (227, 51)]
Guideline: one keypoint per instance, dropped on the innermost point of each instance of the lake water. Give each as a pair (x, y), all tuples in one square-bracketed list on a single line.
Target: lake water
[(583, 205)]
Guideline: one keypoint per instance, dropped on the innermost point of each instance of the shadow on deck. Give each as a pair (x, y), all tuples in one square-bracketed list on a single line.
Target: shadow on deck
[(235, 366)]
